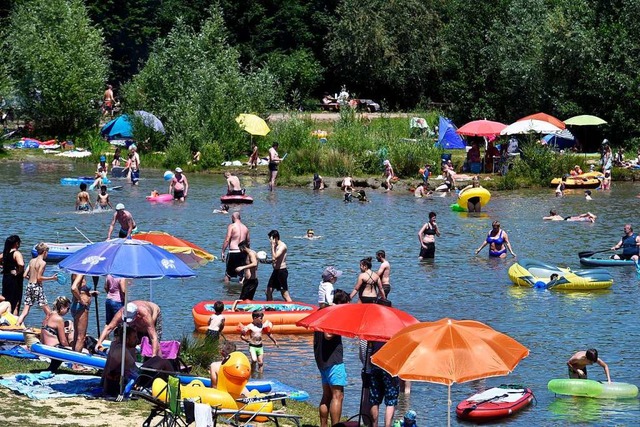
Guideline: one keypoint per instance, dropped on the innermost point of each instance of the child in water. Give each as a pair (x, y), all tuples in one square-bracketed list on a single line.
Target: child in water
[(83, 202), (216, 322), (103, 199), (252, 334), (154, 193)]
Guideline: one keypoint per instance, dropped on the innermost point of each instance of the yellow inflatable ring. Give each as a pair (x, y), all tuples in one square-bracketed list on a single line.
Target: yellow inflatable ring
[(467, 194)]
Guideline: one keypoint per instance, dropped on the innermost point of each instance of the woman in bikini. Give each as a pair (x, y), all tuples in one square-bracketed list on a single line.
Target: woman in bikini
[(368, 286), (498, 242), (80, 310), (53, 330)]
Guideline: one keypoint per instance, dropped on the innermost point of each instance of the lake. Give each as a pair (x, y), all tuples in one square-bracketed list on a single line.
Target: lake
[(459, 285)]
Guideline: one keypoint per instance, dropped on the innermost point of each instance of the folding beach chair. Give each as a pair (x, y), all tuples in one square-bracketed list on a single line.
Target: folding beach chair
[(242, 417), (172, 412)]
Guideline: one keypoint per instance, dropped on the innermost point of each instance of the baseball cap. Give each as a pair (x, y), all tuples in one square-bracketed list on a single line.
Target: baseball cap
[(103, 159), (179, 170), (130, 312), (119, 206), (330, 272)]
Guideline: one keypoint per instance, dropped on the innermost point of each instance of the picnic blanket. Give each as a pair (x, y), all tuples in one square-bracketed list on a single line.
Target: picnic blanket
[(15, 350), (46, 385)]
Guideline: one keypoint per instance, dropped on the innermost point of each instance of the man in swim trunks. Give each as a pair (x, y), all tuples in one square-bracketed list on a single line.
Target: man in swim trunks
[(108, 101), (135, 164), (233, 185), (143, 316), (179, 185), (629, 244), (384, 271), (278, 279), (578, 364), (250, 282), (427, 237), (236, 233), (126, 221)]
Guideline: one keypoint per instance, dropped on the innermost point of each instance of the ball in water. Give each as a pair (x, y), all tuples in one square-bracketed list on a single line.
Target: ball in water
[(262, 255), (168, 176)]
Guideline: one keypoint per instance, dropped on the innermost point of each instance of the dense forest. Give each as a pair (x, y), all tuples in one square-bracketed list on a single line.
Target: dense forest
[(496, 59)]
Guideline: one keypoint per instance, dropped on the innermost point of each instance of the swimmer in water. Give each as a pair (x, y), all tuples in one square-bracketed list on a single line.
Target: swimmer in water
[(311, 235), (224, 209), (585, 217), (102, 201)]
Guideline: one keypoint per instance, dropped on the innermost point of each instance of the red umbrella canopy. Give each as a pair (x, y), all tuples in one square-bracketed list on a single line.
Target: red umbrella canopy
[(481, 128), (370, 322), (545, 118)]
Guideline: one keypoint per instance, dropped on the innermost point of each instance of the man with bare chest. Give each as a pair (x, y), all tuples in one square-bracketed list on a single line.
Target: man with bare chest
[(236, 233)]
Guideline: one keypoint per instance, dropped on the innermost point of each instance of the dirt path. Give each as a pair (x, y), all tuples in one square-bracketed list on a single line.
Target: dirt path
[(332, 117)]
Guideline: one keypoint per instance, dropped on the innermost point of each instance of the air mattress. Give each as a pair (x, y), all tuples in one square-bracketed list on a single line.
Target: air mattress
[(82, 179), (283, 315), (536, 274), (160, 198)]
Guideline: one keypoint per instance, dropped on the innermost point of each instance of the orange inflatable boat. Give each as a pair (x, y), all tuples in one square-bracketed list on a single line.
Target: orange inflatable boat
[(283, 315)]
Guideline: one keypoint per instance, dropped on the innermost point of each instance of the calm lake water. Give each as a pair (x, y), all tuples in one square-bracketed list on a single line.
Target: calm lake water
[(458, 284)]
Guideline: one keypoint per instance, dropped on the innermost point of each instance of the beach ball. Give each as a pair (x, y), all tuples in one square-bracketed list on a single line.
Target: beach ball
[(168, 176), (262, 255)]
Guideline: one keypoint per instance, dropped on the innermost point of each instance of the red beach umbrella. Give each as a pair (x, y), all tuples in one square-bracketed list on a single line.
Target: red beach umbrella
[(481, 128)]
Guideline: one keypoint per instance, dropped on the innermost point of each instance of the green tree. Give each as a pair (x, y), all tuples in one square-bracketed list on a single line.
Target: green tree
[(58, 62), (387, 49), (193, 82), (130, 28)]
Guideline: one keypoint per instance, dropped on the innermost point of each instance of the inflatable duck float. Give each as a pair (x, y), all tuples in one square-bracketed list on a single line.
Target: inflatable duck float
[(233, 377)]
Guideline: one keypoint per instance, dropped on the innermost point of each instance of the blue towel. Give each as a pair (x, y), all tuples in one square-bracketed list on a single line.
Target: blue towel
[(60, 385), (17, 351)]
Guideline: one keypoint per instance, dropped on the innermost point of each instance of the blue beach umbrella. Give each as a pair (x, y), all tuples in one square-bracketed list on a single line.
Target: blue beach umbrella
[(126, 258)]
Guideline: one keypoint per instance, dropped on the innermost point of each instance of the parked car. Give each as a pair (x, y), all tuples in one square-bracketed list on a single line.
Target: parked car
[(368, 105)]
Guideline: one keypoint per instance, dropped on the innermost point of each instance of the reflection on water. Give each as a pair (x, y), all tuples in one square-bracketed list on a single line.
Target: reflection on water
[(457, 284)]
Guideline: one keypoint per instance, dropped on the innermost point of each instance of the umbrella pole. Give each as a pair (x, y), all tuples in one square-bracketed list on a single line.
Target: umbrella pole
[(365, 380), (449, 406), (124, 346), (95, 296)]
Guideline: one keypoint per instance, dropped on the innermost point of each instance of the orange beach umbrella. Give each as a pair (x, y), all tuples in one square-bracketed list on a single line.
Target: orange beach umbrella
[(545, 118), (449, 351), (190, 253)]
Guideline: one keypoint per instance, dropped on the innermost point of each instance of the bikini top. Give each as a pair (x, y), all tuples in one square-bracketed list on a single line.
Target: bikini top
[(498, 240), (368, 282), (430, 230)]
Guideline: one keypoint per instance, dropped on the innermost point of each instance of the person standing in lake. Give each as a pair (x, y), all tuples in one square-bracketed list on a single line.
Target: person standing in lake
[(427, 237), (280, 274), (498, 242), (236, 233), (125, 219), (179, 185), (250, 269), (329, 355), (135, 164), (274, 162), (368, 286), (384, 271), (12, 269)]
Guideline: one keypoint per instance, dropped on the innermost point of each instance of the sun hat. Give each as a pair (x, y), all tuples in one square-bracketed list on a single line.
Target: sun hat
[(330, 272), (179, 170), (130, 312), (119, 207)]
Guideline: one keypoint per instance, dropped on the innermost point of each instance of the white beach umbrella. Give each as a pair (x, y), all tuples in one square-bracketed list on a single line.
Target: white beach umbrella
[(530, 126)]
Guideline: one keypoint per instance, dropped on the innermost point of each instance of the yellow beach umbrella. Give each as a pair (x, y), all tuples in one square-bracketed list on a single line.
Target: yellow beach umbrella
[(253, 124)]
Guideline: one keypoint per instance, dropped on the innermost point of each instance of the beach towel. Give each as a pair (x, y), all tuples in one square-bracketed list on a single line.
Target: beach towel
[(46, 385), (16, 351)]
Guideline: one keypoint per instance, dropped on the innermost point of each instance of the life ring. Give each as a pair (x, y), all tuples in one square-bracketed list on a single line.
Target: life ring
[(480, 192)]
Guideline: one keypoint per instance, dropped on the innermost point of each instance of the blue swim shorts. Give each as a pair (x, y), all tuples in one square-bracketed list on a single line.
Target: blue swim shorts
[(334, 375)]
